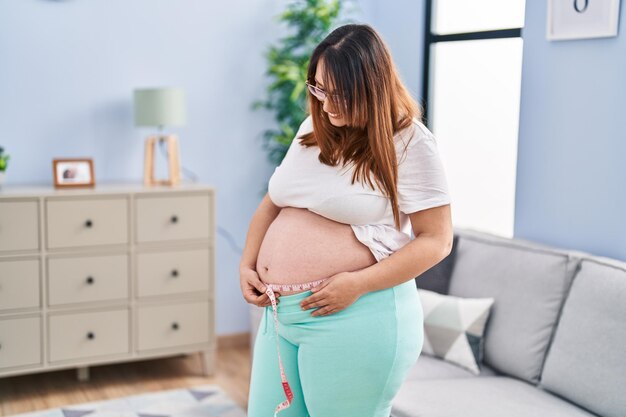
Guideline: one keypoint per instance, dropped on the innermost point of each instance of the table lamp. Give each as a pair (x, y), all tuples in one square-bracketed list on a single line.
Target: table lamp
[(159, 107)]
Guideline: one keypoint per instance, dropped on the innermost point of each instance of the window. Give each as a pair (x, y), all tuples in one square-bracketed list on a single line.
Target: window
[(471, 87)]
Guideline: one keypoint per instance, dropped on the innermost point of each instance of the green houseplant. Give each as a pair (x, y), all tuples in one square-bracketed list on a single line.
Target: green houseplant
[(309, 22), (4, 160)]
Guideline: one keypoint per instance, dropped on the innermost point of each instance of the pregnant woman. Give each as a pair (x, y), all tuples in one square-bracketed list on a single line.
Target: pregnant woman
[(328, 253)]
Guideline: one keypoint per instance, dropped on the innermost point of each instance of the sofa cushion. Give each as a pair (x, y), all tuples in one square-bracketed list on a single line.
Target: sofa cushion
[(495, 396), (453, 328), (430, 367), (437, 278), (529, 282), (586, 362)]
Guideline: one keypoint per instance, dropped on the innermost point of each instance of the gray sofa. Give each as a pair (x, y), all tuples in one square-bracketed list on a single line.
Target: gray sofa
[(554, 344), (555, 341)]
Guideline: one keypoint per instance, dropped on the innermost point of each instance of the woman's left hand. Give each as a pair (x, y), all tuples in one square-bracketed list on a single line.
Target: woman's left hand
[(334, 294)]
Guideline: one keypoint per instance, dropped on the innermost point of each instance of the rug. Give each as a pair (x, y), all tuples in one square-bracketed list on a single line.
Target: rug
[(199, 401)]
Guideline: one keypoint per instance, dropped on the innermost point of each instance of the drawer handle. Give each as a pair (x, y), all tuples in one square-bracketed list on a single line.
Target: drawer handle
[(91, 336), (174, 273), (175, 326), (88, 223), (90, 280), (174, 219)]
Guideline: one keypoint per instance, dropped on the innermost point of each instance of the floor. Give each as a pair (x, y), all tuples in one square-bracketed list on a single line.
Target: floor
[(24, 393)]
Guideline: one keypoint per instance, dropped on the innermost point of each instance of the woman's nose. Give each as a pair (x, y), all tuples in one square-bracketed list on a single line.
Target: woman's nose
[(326, 106)]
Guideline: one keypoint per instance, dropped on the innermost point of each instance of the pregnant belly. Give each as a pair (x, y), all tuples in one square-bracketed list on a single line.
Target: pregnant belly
[(302, 246)]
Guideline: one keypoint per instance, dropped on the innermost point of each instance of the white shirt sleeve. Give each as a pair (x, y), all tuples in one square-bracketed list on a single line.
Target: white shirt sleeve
[(422, 181)]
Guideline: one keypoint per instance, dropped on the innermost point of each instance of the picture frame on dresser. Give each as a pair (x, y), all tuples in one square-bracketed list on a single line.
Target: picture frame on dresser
[(73, 172)]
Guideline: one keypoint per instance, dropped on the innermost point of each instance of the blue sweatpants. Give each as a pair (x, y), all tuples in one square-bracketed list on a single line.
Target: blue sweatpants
[(350, 363)]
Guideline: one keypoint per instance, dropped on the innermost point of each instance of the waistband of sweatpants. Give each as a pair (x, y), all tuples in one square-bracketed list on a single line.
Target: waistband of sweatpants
[(291, 302)]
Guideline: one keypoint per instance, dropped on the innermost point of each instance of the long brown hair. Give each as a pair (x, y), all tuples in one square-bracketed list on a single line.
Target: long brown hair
[(376, 105)]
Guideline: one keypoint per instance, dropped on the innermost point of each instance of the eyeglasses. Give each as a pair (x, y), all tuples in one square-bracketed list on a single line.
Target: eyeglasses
[(321, 94)]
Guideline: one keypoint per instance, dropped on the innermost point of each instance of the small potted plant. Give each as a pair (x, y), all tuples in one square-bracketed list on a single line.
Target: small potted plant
[(4, 160)]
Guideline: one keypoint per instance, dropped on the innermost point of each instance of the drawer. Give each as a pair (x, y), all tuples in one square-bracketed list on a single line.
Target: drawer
[(19, 225), (19, 284), (87, 279), (88, 334), (81, 221), (20, 342), (173, 217), (173, 325), (161, 273)]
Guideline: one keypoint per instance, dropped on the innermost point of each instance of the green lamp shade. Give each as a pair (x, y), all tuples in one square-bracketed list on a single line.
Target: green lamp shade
[(160, 107)]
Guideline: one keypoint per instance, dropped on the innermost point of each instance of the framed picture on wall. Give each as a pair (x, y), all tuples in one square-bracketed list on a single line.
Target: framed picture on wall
[(73, 172), (581, 19)]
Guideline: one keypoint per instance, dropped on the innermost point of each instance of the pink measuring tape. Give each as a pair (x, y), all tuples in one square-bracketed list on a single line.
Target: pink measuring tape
[(269, 290)]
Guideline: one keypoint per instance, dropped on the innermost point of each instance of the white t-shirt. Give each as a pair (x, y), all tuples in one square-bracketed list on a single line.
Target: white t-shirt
[(302, 181)]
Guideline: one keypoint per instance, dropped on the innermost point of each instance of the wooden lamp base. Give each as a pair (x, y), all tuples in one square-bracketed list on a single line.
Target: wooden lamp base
[(173, 160)]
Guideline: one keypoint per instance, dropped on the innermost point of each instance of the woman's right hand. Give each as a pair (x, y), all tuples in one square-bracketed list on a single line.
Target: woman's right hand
[(253, 289)]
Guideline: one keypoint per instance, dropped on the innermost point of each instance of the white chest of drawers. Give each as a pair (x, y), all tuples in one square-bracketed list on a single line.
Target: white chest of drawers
[(115, 273)]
